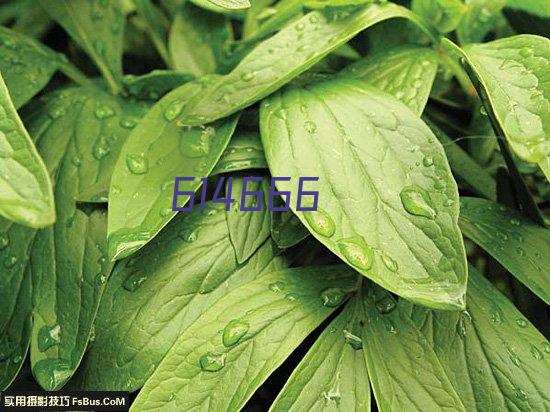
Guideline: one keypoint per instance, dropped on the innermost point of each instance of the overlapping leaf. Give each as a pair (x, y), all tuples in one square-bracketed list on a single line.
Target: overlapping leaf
[(388, 204)]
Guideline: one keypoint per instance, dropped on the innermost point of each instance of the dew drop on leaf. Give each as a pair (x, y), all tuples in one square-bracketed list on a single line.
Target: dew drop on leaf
[(104, 112), (520, 394), (546, 347), (496, 315), (233, 332), (100, 279), (357, 252), (522, 323), (4, 241), (291, 297), (137, 164), (173, 110), (332, 297), (188, 235), (385, 305), (537, 354), (212, 362), (48, 336), (310, 126), (101, 148), (10, 261), (417, 202), (249, 76), (52, 373), (389, 262), (276, 286), (134, 281), (428, 161), (353, 340), (127, 123), (320, 222)]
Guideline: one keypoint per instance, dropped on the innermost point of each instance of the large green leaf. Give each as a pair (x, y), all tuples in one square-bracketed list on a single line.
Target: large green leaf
[(282, 57), (481, 16), (26, 65), (516, 88), (388, 204), (521, 246), (154, 296), (486, 358), (15, 298), (333, 374), (158, 150), (245, 151), (407, 73), (197, 40), (248, 229), (98, 28), (445, 15), (243, 338), (25, 188)]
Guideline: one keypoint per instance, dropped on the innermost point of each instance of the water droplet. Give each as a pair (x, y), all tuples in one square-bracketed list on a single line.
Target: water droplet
[(128, 123), (300, 26), (233, 332), (101, 148), (17, 358), (483, 110), (515, 222), (522, 323), (76, 160), (514, 357), (527, 52), (428, 161), (496, 315), (461, 324), (280, 113), (134, 281), (520, 394), (104, 112), (389, 262), (546, 347), (353, 340), (537, 354), (332, 297), (212, 362), (385, 305), (314, 19), (52, 373), (188, 235), (246, 77), (56, 112), (418, 83), (276, 286), (137, 164), (4, 241), (10, 261), (320, 222), (390, 327), (448, 202), (310, 126), (48, 336), (417, 202), (173, 110), (100, 279), (357, 252)]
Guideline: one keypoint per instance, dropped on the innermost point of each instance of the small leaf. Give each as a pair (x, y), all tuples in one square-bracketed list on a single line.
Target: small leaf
[(397, 215), (154, 296), (407, 73), (282, 57), (513, 73), (248, 230), (277, 320), (98, 28), (445, 15), (155, 84), (157, 150), (231, 4), (25, 188), (521, 246), (333, 374), (197, 40)]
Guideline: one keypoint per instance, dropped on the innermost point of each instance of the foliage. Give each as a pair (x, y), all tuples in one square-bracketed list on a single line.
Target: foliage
[(422, 273)]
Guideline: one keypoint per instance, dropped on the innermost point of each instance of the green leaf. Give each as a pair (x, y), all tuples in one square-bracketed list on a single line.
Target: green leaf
[(383, 177), (248, 230), (445, 15), (514, 78), (155, 25), (15, 298), (244, 152), (152, 297), (197, 40), (237, 14), (529, 16), (243, 338), (465, 167), (333, 374), (480, 18), (286, 229), (486, 358), (282, 57), (155, 84), (407, 73), (521, 246), (231, 4), (25, 188), (26, 65), (98, 28), (98, 124), (159, 149)]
